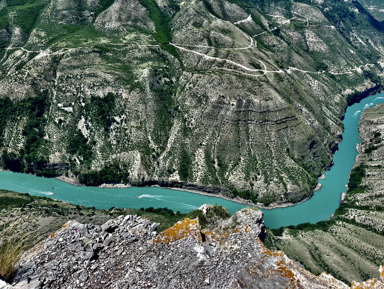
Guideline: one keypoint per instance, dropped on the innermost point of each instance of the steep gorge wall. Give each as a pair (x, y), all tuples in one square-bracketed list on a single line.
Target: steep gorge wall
[(355, 234), (244, 97)]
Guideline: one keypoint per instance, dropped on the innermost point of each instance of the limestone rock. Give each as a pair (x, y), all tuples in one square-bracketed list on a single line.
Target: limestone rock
[(177, 258)]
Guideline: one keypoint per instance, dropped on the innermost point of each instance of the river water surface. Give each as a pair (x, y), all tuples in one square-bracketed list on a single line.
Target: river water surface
[(320, 207)]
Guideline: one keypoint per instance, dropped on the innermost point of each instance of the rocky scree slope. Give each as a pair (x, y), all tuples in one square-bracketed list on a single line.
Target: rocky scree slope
[(127, 251), (238, 96), (351, 245)]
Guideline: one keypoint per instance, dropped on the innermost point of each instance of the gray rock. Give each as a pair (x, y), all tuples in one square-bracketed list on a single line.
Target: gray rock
[(146, 261), (109, 226), (85, 255), (4, 285), (108, 240), (153, 227)]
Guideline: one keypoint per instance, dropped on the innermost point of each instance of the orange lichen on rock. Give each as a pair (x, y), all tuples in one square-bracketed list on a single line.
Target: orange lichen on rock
[(64, 226), (52, 235), (264, 250), (214, 237), (182, 229), (211, 236), (287, 273), (370, 284), (282, 267), (241, 228)]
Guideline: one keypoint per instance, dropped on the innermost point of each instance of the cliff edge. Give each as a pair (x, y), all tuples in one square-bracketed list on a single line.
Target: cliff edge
[(127, 252)]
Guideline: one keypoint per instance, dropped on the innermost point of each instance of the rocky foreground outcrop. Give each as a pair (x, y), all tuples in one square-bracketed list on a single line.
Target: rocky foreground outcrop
[(126, 252)]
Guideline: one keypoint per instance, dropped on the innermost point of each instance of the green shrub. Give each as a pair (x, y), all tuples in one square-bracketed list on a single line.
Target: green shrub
[(163, 33), (355, 179), (185, 166), (78, 144), (103, 110), (355, 97), (110, 174), (26, 16), (370, 149), (278, 232), (103, 5), (213, 213)]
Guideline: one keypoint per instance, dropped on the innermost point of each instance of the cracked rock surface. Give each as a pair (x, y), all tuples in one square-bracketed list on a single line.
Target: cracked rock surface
[(126, 252)]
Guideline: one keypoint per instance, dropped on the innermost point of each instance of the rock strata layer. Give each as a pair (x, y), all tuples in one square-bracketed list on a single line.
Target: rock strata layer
[(355, 234), (238, 97)]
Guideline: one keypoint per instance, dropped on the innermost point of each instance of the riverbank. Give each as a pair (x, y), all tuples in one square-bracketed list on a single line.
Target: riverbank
[(238, 200), (116, 186), (75, 182), (219, 195), (68, 180), (318, 207)]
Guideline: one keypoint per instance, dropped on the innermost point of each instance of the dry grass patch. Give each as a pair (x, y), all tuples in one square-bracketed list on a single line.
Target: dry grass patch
[(11, 249)]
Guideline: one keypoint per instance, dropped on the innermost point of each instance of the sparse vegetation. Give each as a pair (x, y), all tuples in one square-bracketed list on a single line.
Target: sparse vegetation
[(11, 248), (163, 31), (185, 166), (213, 213), (102, 110), (355, 179)]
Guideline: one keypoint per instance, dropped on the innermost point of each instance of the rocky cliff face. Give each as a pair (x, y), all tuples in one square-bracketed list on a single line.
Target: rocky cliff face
[(127, 252), (355, 234), (371, 152), (242, 96)]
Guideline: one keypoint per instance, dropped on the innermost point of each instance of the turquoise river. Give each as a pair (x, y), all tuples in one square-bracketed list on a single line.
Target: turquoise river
[(320, 207)]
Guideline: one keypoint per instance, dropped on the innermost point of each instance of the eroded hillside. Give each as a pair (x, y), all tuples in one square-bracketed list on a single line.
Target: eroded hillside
[(350, 244), (236, 95)]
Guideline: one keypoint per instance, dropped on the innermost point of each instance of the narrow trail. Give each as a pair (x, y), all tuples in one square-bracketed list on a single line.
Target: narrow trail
[(241, 68), (205, 56), (264, 71), (253, 44), (248, 19)]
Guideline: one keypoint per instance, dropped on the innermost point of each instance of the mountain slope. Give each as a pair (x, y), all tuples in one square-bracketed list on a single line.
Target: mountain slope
[(241, 96), (355, 234)]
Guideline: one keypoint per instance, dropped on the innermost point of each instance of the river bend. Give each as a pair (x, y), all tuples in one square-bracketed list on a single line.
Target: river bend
[(320, 207)]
